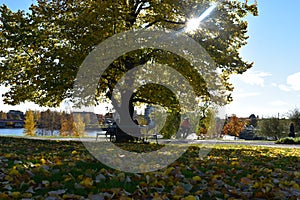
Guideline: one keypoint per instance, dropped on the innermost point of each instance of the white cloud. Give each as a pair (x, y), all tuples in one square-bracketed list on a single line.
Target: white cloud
[(253, 77), (279, 103), (292, 83), (284, 88), (274, 84)]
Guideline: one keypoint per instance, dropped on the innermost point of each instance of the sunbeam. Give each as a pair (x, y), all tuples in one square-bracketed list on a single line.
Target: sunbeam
[(194, 23)]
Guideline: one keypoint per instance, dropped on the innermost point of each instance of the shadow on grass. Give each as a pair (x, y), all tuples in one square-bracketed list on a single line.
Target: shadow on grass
[(42, 168)]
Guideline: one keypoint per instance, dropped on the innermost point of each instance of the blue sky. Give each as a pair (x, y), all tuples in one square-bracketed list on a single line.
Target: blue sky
[(272, 86)]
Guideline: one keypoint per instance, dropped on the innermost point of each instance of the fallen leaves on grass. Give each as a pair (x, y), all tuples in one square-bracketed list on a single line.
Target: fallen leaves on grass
[(34, 169)]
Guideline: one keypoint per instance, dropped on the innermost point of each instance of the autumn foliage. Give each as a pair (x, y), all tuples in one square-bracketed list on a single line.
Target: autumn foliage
[(60, 169), (29, 127), (234, 126)]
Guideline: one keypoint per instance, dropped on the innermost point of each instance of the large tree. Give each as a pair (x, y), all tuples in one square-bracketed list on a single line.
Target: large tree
[(42, 49)]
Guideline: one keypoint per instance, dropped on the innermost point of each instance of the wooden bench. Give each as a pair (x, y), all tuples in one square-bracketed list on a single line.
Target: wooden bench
[(110, 134), (102, 133)]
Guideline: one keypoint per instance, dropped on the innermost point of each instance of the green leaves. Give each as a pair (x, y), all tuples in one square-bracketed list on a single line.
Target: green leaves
[(43, 49)]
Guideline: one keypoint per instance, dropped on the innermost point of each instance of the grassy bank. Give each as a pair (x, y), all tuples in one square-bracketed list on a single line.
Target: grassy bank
[(66, 170)]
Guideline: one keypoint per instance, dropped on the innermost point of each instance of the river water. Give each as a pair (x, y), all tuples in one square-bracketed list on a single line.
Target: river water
[(20, 132)]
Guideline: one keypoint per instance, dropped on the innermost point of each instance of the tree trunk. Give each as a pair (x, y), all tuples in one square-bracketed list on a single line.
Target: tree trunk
[(127, 130)]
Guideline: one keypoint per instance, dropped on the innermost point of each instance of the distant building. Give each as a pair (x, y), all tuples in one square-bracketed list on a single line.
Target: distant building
[(148, 111), (249, 132), (2, 124), (15, 114)]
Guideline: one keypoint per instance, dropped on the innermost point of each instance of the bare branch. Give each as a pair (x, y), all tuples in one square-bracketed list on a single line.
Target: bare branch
[(164, 20), (174, 22), (152, 23)]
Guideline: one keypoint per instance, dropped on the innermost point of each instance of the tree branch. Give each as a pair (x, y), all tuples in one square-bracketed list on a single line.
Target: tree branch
[(173, 22), (164, 20), (139, 7), (152, 23)]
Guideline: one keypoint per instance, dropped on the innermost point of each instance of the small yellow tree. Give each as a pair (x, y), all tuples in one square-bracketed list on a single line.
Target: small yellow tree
[(29, 127), (79, 126), (234, 126), (67, 125), (2, 115), (72, 127)]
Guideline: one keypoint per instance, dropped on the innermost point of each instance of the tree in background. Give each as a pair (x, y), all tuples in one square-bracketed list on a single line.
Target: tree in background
[(234, 126), (3, 115), (67, 125), (156, 119), (50, 120), (171, 125), (37, 116), (44, 48), (294, 116), (87, 118), (272, 127), (79, 126), (253, 120), (207, 125), (29, 127)]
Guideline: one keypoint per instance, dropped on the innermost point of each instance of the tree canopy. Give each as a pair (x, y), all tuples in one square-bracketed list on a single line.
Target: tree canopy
[(42, 49)]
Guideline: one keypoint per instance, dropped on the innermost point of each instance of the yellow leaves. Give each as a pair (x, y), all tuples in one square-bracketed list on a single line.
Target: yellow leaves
[(10, 155), (71, 164), (157, 196), (74, 152), (267, 187), (8, 178), (46, 183), (235, 163), (121, 177), (196, 178), (14, 172), (190, 197), (27, 195), (179, 190), (58, 162), (289, 184), (102, 171), (257, 185), (249, 176), (169, 170), (68, 179), (296, 186), (254, 175), (246, 181), (31, 182), (297, 174), (216, 177), (4, 196), (263, 186), (43, 161), (87, 182), (143, 184), (15, 195)]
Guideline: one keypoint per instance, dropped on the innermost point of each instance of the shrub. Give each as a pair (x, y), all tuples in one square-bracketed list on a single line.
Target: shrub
[(288, 140)]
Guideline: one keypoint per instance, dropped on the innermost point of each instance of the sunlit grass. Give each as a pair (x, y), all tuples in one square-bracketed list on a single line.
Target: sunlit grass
[(65, 169)]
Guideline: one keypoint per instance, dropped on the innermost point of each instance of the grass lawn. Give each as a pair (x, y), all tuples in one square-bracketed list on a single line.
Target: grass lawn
[(37, 169)]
